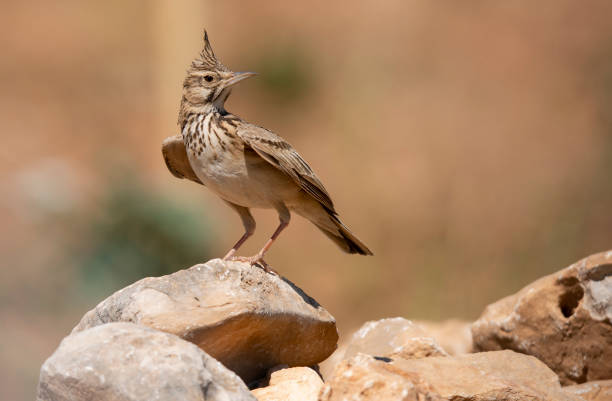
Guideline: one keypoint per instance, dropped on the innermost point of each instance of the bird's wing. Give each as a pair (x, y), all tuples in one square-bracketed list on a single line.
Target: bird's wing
[(175, 156), (276, 151)]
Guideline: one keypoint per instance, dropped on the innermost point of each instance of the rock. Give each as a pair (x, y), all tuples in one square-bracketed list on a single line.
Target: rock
[(128, 362), (388, 336), (418, 347), (293, 384), (564, 319), (592, 391), (246, 318), (367, 378), (391, 337), (453, 335), (327, 367), (500, 376)]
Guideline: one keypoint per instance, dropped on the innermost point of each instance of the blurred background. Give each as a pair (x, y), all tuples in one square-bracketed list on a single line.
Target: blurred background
[(469, 144)]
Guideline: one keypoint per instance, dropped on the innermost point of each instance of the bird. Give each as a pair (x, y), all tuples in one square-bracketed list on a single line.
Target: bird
[(246, 165)]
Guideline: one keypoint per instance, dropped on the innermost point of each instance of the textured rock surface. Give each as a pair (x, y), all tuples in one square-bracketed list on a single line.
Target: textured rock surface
[(453, 335), (564, 319), (293, 384), (418, 347), (592, 391), (366, 378), (127, 362), (500, 376), (388, 336), (247, 319), (392, 337)]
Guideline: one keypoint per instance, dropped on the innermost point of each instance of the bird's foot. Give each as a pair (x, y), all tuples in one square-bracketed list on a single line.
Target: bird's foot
[(256, 260)]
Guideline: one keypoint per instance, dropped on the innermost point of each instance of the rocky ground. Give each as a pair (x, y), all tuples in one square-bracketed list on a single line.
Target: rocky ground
[(226, 331)]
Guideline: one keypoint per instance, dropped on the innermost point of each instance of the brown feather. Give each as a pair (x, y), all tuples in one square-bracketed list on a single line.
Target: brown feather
[(175, 156), (276, 151)]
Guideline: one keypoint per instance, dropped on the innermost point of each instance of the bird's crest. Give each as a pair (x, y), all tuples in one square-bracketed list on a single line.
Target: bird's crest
[(207, 59)]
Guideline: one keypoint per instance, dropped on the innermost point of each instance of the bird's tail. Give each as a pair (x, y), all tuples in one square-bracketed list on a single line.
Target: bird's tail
[(343, 237)]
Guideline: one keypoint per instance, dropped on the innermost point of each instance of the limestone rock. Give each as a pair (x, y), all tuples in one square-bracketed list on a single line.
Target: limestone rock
[(592, 391), (246, 318), (388, 336), (500, 376), (292, 384), (418, 347), (367, 378), (391, 337), (128, 362), (453, 335), (564, 319)]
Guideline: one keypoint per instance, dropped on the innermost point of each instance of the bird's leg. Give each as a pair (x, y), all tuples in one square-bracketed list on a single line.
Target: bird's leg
[(284, 217), (249, 228)]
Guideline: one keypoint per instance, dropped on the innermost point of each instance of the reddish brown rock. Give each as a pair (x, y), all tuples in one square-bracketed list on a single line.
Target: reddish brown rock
[(246, 318), (564, 319), (499, 376)]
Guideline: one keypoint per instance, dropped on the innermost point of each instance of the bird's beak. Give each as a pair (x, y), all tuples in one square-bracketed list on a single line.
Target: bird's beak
[(236, 77)]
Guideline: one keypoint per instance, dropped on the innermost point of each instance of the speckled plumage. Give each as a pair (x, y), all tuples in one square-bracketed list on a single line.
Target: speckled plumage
[(246, 165)]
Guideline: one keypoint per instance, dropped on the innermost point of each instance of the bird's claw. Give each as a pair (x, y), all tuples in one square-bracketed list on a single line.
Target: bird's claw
[(253, 260)]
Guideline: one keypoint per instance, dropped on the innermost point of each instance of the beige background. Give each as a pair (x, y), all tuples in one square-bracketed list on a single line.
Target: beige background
[(467, 143)]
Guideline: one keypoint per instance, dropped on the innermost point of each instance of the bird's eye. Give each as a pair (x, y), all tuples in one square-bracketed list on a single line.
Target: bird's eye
[(208, 78)]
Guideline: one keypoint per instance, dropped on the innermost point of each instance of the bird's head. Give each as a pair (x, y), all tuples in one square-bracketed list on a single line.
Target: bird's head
[(209, 82)]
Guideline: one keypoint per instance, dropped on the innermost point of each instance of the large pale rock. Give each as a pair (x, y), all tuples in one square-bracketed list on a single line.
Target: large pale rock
[(292, 384), (391, 337), (246, 318), (592, 391), (127, 362), (564, 319), (487, 376)]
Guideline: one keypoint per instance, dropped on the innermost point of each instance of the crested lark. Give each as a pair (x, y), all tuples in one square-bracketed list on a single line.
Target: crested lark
[(246, 165)]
